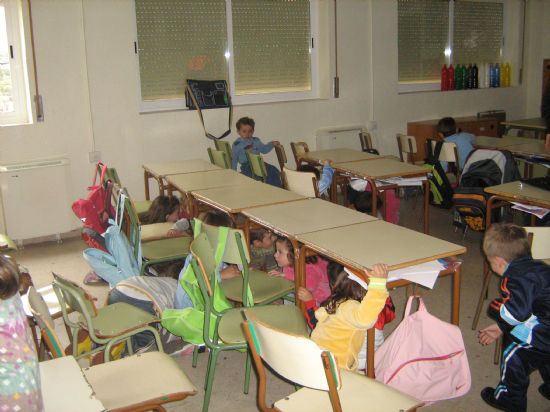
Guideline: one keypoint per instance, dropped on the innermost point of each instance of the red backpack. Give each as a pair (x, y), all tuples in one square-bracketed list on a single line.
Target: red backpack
[(97, 209)]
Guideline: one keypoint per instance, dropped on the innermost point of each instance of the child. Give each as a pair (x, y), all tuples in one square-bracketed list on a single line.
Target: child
[(522, 315), (360, 196), (385, 316), (446, 131), (20, 388), (262, 249), (324, 179), (348, 313), (316, 270), (166, 209), (246, 141)]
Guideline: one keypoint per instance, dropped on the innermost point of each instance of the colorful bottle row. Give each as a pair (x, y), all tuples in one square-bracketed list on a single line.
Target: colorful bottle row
[(471, 77)]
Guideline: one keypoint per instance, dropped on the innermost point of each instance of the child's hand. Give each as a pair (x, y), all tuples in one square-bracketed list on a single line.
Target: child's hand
[(230, 272), (173, 233), (489, 334), (379, 270), (275, 273), (275, 143), (304, 294), (327, 162)]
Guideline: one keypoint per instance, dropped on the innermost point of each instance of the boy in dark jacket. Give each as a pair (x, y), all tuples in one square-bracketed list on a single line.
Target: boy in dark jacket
[(522, 315)]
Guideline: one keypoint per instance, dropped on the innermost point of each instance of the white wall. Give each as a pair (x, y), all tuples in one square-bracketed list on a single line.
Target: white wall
[(88, 77)]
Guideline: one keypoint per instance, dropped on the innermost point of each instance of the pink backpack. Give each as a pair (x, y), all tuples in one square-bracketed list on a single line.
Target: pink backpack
[(424, 357)]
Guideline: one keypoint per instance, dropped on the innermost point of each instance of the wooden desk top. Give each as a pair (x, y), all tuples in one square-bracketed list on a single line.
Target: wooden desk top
[(362, 245), (161, 169), (235, 199), (488, 142), (380, 169), (64, 387), (338, 155), (532, 148), (535, 123), (303, 216), (190, 182), (521, 192)]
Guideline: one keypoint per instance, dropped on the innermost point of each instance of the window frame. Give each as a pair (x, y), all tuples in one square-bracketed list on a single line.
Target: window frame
[(147, 106), (18, 66)]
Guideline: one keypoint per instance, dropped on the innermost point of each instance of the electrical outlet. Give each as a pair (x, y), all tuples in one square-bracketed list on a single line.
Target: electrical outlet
[(94, 156)]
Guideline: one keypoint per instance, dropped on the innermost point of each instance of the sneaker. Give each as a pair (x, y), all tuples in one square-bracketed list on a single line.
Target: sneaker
[(488, 395), (92, 279), (544, 390)]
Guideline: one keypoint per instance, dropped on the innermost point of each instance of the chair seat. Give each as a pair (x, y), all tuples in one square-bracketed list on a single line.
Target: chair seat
[(142, 206), (118, 318), (265, 288), (152, 377), (166, 248), (356, 393), (285, 317), (155, 231)]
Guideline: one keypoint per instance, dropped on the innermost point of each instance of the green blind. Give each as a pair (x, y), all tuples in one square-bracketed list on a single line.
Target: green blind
[(271, 46), (422, 38), (477, 32), (179, 39)]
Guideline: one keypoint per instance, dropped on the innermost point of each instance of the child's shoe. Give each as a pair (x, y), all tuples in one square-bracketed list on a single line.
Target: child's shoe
[(488, 395)]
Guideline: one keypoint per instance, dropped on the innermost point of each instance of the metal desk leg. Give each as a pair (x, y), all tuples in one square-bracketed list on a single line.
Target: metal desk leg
[(146, 176), (299, 272), (370, 353), (374, 209), (426, 206), (455, 314)]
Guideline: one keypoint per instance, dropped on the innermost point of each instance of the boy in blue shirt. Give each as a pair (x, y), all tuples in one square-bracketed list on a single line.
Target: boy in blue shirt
[(522, 315), (247, 141), (446, 130)]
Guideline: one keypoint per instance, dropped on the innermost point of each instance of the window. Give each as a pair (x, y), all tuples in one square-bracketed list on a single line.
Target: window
[(14, 94), (437, 32), (264, 48)]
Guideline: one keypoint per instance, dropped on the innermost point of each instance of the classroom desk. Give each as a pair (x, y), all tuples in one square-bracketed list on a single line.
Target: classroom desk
[(377, 169), (160, 170), (362, 245), (536, 124), (337, 156), (488, 142), (65, 389)]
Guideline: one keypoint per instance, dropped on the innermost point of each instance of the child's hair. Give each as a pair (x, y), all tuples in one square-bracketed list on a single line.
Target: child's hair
[(309, 169), (258, 234), (9, 277), (159, 209), (217, 218), (363, 202), (507, 241), (245, 121), (342, 289), (446, 126), (290, 251)]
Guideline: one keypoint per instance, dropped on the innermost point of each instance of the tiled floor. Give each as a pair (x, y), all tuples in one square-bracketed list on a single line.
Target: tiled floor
[(66, 258)]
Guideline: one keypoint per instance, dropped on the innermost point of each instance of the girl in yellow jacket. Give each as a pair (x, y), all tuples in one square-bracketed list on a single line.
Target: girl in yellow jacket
[(347, 314)]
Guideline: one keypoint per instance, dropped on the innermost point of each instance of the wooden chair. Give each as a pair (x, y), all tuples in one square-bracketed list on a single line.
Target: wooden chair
[(106, 326), (449, 153), (302, 183), (227, 333), (225, 147), (168, 385), (281, 155), (257, 166), (298, 150), (324, 386), (365, 139), (407, 149), (219, 158)]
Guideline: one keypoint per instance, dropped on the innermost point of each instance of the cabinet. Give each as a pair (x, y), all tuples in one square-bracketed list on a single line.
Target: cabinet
[(427, 129)]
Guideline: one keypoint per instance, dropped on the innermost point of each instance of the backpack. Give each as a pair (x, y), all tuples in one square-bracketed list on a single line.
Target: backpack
[(483, 168), (441, 192), (424, 357)]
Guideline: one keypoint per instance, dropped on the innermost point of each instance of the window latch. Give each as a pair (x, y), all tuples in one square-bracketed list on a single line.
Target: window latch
[(11, 51)]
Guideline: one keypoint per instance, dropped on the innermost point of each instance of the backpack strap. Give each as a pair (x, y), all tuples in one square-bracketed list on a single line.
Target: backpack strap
[(433, 156), (230, 118)]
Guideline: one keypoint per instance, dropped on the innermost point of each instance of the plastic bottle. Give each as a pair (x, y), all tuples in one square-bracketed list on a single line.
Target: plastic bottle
[(491, 75), (458, 80), (497, 75), (475, 77), (481, 76), (444, 78), (508, 75), (487, 75), (502, 77), (450, 78), (468, 80)]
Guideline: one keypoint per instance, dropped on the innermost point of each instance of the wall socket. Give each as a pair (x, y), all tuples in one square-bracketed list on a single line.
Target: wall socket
[(94, 156)]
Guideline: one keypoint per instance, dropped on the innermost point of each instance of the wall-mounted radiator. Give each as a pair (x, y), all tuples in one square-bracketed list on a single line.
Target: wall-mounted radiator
[(339, 137), (36, 198)]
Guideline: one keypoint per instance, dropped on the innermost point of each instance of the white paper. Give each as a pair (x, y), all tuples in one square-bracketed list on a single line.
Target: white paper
[(539, 212), (424, 274), (357, 279)]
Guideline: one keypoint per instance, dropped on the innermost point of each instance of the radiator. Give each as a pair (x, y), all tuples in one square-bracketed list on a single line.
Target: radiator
[(339, 137), (36, 198)]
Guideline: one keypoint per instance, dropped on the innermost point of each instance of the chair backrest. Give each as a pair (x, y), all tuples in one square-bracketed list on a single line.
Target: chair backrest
[(72, 296), (541, 240), (41, 314), (257, 165), (407, 147), (449, 152), (302, 183), (219, 158), (224, 146), (366, 141), (112, 175), (298, 150), (281, 155)]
